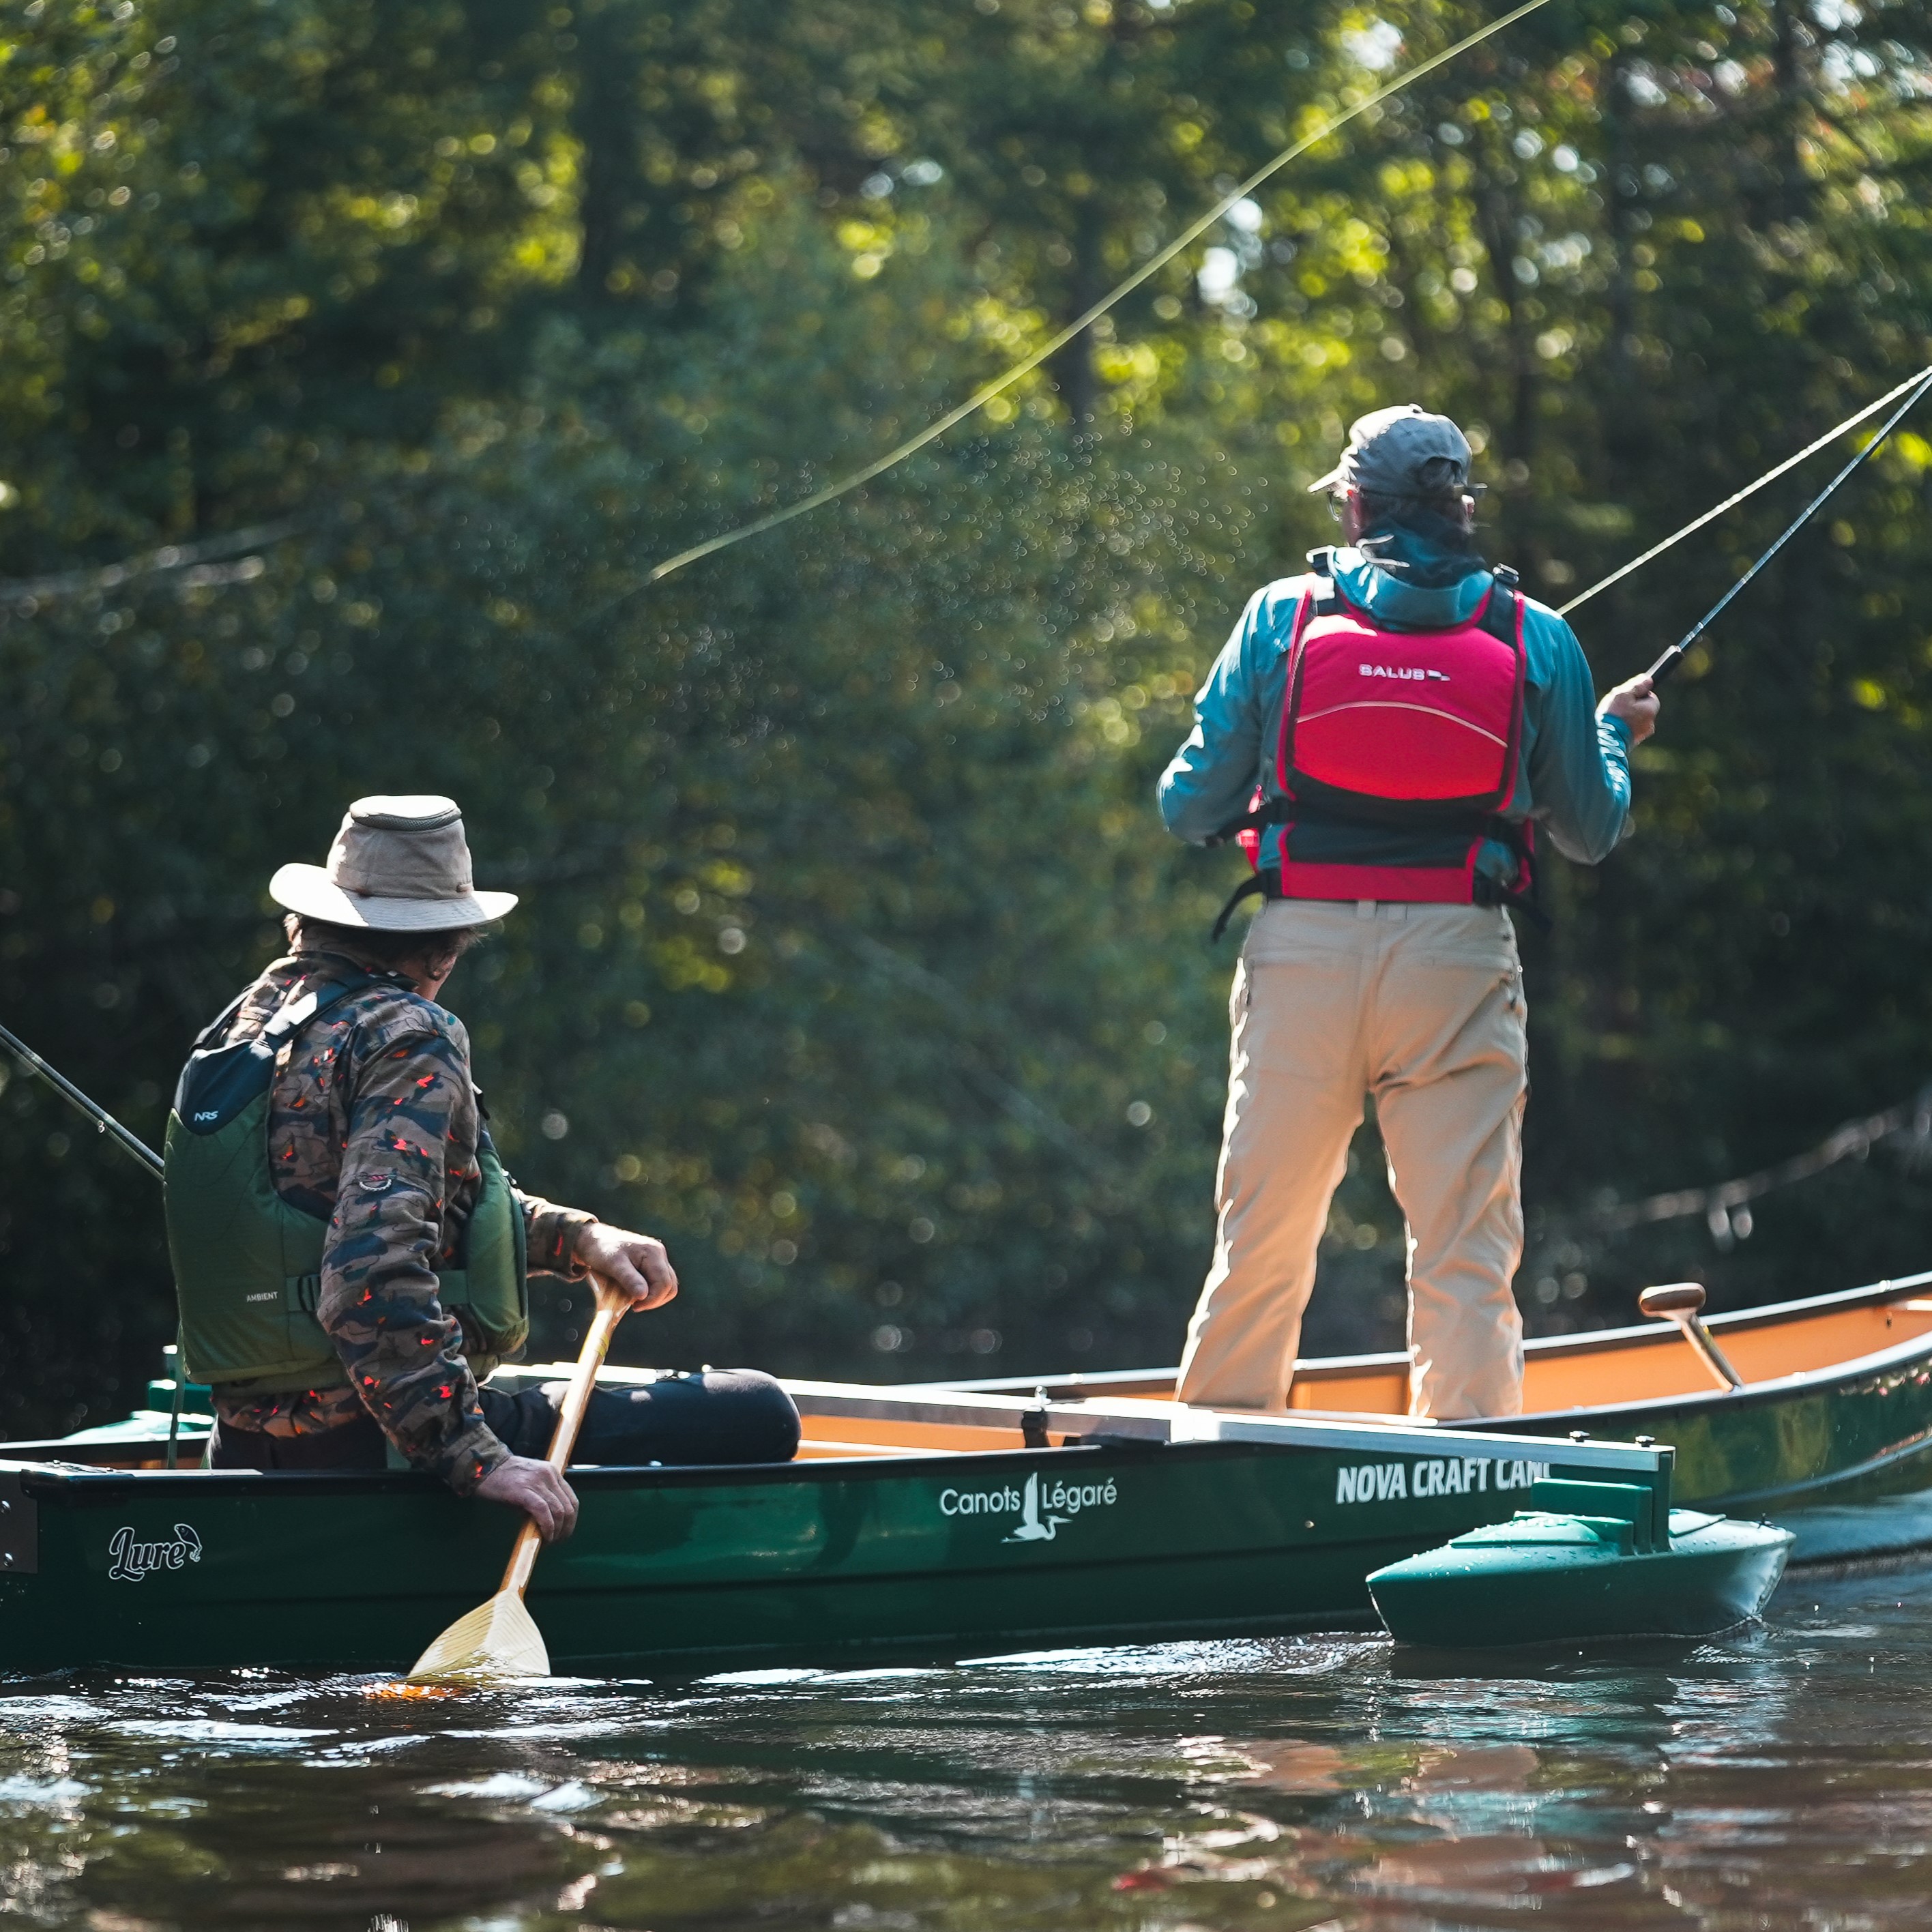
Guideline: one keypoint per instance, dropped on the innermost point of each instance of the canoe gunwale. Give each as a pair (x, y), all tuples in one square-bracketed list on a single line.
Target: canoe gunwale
[(1812, 1381), (102, 1483), (1316, 1368), (1838, 1478), (1238, 1436)]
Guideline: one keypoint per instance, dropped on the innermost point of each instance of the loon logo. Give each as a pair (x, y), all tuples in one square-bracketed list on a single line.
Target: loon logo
[(1031, 1528), (132, 1560), (1042, 1513), (1409, 674)]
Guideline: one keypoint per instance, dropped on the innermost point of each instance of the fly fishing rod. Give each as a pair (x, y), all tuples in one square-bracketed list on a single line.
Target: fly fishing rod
[(1673, 657), (104, 1121)]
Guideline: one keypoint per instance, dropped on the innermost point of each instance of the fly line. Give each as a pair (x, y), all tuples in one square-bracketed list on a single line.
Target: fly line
[(1731, 502), (1327, 125)]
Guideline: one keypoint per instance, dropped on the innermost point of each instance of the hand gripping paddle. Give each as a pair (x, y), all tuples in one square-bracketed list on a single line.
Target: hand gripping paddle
[(498, 1640)]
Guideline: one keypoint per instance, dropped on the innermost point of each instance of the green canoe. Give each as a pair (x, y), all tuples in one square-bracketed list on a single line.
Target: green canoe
[(983, 1517), (927, 1523)]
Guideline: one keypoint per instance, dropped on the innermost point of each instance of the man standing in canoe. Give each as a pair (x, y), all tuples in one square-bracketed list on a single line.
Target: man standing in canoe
[(1389, 736), (350, 1257)]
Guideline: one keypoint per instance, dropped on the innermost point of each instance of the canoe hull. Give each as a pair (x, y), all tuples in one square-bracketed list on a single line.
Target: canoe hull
[(681, 1569)]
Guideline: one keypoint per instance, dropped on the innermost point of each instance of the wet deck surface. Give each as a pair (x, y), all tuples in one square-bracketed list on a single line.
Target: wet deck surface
[(1780, 1778)]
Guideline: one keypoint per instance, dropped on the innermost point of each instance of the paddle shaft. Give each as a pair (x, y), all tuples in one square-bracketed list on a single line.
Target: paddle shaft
[(612, 1306), (1700, 1339), (1673, 657)]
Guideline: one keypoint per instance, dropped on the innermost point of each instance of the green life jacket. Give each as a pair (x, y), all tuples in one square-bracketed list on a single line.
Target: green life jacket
[(247, 1264)]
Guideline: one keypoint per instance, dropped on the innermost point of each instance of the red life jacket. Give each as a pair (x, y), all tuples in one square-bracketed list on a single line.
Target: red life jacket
[(1398, 752)]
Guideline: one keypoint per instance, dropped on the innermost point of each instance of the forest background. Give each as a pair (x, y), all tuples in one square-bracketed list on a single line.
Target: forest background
[(360, 355)]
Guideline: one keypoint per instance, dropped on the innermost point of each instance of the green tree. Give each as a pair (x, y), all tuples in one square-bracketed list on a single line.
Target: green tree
[(395, 343)]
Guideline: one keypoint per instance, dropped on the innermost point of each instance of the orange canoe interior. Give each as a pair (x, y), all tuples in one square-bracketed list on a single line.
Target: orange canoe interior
[(1565, 1377), (1562, 1374)]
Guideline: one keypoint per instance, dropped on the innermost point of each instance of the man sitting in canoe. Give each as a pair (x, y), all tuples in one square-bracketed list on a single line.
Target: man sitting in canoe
[(351, 1258), (1389, 736)]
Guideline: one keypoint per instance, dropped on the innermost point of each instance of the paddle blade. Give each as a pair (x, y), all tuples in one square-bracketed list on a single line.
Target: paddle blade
[(497, 1640)]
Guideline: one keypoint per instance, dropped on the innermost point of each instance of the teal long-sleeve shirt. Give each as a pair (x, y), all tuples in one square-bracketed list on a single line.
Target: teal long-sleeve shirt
[(1572, 779)]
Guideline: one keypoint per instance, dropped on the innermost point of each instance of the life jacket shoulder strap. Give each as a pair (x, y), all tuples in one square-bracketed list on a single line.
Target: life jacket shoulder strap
[(1323, 597), (1502, 612), (221, 1022), (219, 1081)]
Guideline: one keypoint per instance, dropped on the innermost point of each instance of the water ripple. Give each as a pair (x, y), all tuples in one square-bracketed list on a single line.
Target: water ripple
[(1781, 1778)]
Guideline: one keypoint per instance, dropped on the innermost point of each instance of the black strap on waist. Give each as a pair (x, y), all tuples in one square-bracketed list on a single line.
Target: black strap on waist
[(1486, 892), (1526, 897), (1258, 883), (1403, 816)]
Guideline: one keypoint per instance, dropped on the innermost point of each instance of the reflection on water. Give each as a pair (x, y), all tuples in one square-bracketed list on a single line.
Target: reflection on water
[(1780, 1778)]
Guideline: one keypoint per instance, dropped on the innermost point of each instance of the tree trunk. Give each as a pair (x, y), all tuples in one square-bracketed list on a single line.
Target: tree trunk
[(1496, 219), (603, 118), (1073, 373)]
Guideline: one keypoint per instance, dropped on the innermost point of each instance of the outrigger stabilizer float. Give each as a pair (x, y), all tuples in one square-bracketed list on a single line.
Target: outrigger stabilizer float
[(1584, 1560)]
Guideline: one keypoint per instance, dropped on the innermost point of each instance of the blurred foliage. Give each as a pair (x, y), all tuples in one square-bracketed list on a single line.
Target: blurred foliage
[(361, 358)]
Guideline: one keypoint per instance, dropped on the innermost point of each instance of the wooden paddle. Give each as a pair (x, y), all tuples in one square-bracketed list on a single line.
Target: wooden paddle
[(498, 1640)]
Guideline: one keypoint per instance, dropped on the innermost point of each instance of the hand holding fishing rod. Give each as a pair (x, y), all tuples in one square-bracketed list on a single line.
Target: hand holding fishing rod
[(1635, 702)]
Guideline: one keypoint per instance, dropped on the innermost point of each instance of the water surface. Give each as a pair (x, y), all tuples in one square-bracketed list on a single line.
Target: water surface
[(1781, 1777)]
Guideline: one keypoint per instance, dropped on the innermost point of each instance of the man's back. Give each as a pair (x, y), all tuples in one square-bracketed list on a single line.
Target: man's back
[(1389, 830), (383, 1053), (372, 1132), (1573, 776)]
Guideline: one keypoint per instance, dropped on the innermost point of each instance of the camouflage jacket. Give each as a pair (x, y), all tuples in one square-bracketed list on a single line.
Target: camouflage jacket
[(379, 1086)]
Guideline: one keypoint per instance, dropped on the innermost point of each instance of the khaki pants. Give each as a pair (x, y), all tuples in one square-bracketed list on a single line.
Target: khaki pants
[(1421, 1006)]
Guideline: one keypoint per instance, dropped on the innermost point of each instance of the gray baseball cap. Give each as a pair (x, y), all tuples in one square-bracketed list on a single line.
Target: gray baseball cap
[(1403, 451)]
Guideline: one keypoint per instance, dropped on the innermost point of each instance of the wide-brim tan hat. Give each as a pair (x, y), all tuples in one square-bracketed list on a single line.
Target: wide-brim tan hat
[(398, 864)]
